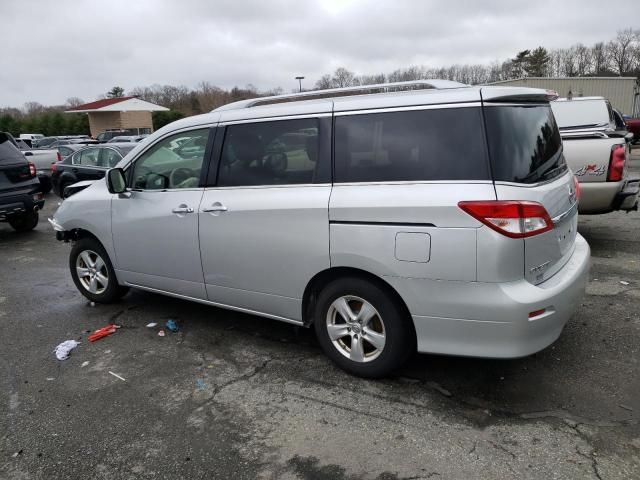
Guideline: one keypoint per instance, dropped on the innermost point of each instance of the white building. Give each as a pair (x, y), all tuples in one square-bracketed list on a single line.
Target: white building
[(622, 92)]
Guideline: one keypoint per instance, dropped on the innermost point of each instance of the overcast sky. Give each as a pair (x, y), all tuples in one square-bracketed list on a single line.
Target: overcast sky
[(53, 50)]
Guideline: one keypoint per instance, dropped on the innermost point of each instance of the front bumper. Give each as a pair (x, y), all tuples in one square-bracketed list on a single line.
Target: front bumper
[(480, 319)]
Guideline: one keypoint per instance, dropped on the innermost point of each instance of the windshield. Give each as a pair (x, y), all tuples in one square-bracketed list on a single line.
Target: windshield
[(524, 143), (581, 113)]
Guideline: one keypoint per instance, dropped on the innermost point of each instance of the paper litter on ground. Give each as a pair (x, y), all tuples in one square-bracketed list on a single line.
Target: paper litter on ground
[(62, 351)]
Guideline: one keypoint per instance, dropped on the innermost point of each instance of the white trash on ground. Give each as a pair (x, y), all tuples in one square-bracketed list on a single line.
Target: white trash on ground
[(62, 351)]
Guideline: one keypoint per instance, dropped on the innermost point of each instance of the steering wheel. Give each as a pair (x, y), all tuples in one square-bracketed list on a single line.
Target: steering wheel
[(179, 175)]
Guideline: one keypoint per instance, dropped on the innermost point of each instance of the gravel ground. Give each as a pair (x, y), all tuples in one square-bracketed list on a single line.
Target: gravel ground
[(237, 396)]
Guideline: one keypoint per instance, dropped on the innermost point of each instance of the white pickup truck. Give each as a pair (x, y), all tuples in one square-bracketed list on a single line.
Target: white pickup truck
[(42, 159), (598, 154)]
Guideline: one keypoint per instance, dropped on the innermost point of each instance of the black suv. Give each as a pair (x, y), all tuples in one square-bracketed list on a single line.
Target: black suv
[(20, 192)]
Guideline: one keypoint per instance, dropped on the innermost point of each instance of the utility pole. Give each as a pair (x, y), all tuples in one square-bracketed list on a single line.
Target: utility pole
[(300, 82)]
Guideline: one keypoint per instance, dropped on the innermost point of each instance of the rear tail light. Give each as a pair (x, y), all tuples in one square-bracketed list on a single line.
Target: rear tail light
[(616, 163), (515, 219), (576, 184), (59, 157), (552, 95), (32, 170)]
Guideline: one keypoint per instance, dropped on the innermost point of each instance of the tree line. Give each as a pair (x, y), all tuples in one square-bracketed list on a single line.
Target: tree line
[(620, 57), (617, 57)]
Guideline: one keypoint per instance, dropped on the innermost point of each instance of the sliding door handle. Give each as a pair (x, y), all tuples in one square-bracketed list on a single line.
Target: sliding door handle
[(182, 209), (216, 207)]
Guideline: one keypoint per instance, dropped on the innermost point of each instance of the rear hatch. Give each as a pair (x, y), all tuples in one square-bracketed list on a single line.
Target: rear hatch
[(528, 164), (15, 173)]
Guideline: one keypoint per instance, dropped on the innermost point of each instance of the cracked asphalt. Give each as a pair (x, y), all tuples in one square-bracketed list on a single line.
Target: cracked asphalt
[(242, 397)]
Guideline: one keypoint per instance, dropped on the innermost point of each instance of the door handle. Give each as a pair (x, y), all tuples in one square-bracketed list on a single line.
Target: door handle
[(216, 207), (182, 209)]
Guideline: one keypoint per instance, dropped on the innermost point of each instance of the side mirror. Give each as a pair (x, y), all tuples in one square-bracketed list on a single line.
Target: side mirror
[(116, 183)]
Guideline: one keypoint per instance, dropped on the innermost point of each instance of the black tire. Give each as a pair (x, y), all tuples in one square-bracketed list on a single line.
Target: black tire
[(113, 291), (61, 188), (45, 184), (397, 328), (24, 222)]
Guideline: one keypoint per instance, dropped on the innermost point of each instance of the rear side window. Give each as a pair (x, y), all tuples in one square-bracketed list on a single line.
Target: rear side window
[(581, 113), (8, 152), (283, 152), (418, 145), (524, 143)]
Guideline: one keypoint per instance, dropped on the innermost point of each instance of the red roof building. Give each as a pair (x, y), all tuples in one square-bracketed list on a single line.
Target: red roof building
[(119, 113)]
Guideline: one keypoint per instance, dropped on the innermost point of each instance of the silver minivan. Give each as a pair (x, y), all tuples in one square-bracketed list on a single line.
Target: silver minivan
[(437, 217)]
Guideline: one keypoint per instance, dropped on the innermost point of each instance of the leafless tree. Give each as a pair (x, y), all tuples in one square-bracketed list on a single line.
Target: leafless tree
[(583, 60), (601, 61), (324, 82), (343, 78), (73, 102), (32, 108), (621, 51)]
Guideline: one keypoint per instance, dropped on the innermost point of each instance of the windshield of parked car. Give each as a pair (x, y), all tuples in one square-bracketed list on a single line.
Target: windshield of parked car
[(581, 113), (524, 143)]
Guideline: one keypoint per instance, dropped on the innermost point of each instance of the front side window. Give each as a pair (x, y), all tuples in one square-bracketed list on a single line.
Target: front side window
[(280, 152), (172, 164), (418, 145)]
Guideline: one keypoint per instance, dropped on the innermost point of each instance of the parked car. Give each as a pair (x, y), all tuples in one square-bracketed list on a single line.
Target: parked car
[(66, 150), (29, 138), (42, 159), (127, 138), (88, 163), (597, 150), (20, 195), (633, 125), (109, 134), (395, 237)]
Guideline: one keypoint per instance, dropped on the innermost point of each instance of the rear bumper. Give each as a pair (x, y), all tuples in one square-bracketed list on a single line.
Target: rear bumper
[(492, 319), (627, 198), (598, 197), (18, 204), (604, 197)]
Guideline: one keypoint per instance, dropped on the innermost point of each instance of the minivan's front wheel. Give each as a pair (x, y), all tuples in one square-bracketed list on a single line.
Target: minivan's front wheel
[(93, 273), (361, 327)]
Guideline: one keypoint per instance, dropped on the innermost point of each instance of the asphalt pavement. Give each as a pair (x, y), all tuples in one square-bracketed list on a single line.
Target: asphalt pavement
[(233, 396)]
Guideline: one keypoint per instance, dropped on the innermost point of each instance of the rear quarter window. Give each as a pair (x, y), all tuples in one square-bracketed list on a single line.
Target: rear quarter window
[(524, 143), (416, 145)]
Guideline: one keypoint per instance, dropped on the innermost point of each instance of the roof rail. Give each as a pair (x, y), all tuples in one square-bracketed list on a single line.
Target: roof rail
[(330, 92)]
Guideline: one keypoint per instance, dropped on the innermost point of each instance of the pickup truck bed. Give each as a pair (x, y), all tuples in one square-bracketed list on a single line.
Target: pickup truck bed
[(597, 151)]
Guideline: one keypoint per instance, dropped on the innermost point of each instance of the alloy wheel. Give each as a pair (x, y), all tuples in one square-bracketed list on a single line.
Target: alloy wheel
[(355, 328), (92, 272)]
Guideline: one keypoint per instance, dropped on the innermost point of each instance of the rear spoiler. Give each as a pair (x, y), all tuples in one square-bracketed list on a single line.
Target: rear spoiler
[(495, 94)]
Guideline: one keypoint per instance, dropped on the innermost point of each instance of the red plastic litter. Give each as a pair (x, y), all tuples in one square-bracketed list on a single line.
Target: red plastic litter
[(103, 332)]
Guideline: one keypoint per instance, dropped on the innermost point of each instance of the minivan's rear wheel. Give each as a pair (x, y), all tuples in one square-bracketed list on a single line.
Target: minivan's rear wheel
[(361, 327), (93, 273)]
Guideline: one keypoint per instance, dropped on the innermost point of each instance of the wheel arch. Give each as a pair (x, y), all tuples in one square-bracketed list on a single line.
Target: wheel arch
[(323, 278)]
